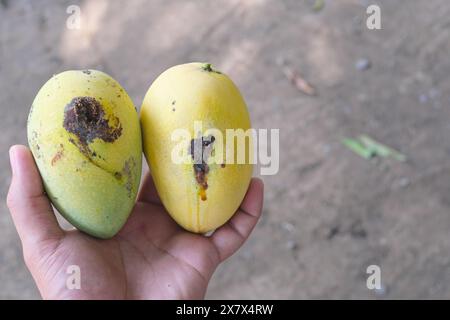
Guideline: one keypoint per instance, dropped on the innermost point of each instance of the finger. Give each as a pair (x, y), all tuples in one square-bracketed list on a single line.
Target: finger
[(230, 237), (30, 208), (148, 191)]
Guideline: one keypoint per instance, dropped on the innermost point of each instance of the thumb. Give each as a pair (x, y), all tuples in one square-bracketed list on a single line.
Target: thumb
[(29, 206)]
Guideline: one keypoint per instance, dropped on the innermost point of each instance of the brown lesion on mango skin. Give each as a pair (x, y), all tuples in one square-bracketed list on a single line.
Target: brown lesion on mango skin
[(57, 157), (200, 150), (85, 118), (59, 154)]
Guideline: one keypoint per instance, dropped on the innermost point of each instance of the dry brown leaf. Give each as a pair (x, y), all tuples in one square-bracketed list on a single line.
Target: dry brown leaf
[(298, 81)]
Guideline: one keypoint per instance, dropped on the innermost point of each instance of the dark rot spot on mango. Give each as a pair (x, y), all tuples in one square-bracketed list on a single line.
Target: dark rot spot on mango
[(200, 150), (222, 165), (173, 102), (87, 72), (85, 117)]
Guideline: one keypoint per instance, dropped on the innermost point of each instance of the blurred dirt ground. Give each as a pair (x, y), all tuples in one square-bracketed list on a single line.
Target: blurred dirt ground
[(328, 212)]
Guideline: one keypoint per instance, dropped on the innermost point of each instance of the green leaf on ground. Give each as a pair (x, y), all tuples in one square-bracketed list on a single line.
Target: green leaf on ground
[(368, 148), (381, 149), (358, 148)]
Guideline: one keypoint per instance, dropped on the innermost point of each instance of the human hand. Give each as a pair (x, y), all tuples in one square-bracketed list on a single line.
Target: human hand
[(150, 258)]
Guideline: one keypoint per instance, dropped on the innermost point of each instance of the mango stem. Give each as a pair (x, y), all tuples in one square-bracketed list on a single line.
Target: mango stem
[(207, 67)]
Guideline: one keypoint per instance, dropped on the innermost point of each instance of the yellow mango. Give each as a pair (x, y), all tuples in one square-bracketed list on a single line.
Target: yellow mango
[(200, 195), (84, 133)]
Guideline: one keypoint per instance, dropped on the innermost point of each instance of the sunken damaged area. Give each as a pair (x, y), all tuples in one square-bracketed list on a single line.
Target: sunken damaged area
[(85, 117), (200, 150)]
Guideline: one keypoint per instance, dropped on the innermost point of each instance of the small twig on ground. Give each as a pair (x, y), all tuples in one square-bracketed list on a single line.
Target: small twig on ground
[(297, 79)]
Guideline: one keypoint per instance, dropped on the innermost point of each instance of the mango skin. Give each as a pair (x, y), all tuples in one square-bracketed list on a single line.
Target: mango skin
[(178, 97), (92, 184)]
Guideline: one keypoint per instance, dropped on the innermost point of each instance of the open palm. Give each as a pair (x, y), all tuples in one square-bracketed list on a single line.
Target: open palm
[(150, 258)]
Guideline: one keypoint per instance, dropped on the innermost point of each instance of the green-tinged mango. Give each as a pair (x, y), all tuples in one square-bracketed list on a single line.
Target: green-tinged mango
[(202, 192), (84, 133)]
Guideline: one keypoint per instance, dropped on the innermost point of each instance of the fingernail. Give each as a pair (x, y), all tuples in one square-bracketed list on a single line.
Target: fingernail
[(12, 159)]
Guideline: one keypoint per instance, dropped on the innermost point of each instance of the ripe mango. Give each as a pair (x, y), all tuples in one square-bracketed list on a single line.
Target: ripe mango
[(199, 195), (84, 133)]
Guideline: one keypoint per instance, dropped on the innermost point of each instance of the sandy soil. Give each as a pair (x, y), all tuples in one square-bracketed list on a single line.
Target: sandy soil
[(328, 212)]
